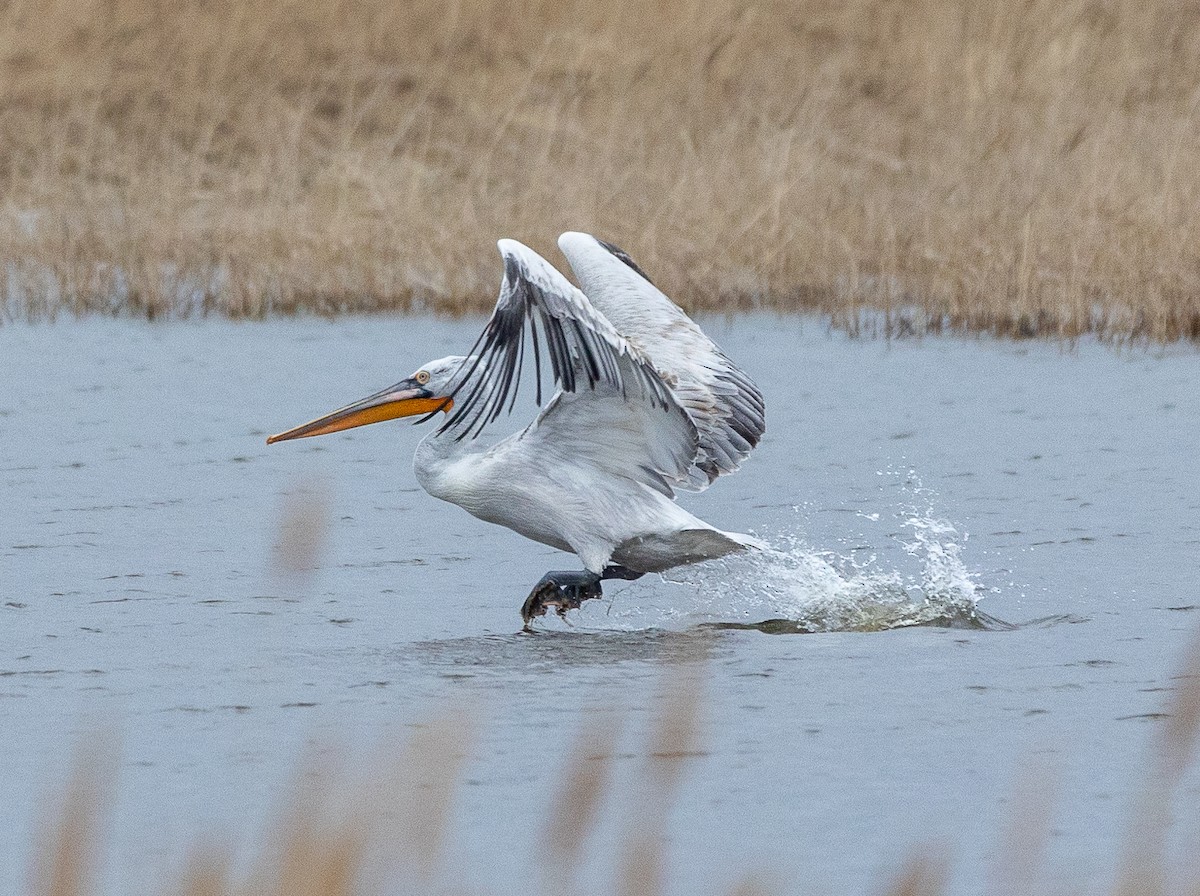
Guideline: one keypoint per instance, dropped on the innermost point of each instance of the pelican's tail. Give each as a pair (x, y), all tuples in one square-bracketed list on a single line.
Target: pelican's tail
[(661, 551), (747, 541)]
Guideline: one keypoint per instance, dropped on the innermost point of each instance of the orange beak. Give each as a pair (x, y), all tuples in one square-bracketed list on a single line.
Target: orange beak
[(405, 399)]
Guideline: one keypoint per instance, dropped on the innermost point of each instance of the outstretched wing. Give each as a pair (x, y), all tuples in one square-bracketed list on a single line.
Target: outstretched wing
[(722, 401), (613, 407)]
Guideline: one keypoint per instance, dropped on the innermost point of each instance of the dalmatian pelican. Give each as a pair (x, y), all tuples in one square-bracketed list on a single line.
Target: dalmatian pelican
[(644, 403)]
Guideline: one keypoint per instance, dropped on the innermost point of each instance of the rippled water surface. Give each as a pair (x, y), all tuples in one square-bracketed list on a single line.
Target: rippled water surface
[(225, 605)]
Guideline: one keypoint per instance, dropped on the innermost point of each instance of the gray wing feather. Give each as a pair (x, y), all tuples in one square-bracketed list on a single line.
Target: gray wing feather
[(724, 404)]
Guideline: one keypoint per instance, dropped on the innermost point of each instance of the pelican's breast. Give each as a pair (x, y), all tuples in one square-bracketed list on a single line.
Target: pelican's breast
[(494, 486)]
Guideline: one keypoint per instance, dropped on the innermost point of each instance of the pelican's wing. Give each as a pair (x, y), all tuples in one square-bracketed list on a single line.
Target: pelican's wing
[(722, 401), (614, 410), (601, 429)]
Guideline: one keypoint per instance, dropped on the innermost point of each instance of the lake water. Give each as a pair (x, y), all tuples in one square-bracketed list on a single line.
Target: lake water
[(143, 589)]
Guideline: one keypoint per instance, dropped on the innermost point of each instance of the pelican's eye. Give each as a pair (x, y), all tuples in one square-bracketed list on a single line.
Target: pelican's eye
[(422, 377)]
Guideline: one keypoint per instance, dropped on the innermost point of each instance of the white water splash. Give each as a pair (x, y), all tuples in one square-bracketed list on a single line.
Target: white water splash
[(798, 588)]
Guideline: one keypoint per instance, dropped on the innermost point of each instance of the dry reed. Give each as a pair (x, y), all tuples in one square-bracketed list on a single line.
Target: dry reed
[(65, 865), (574, 812), (303, 531), (1024, 169)]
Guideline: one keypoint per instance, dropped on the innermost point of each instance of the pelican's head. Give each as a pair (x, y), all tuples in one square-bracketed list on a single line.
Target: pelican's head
[(425, 392)]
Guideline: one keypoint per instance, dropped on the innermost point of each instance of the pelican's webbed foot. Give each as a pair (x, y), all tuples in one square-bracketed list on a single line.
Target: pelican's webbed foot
[(563, 589), (567, 589)]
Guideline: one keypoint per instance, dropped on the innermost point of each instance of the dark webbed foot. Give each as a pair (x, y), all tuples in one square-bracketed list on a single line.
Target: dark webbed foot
[(567, 590), (562, 589)]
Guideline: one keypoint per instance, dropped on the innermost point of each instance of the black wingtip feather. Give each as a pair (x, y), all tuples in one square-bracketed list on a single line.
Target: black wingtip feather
[(622, 255), (577, 352)]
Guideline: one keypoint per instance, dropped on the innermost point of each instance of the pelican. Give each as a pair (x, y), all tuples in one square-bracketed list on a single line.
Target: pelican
[(644, 404)]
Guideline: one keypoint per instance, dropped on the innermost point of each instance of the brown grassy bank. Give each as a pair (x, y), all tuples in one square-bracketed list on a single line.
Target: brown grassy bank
[(1028, 168)]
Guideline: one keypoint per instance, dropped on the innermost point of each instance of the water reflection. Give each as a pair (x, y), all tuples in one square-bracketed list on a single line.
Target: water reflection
[(553, 652), (885, 617)]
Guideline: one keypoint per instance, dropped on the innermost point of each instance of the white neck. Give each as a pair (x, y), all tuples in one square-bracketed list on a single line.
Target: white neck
[(442, 463)]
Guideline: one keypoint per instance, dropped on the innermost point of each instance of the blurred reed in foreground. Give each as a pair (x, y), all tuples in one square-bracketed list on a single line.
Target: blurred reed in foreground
[(388, 832), (1024, 169)]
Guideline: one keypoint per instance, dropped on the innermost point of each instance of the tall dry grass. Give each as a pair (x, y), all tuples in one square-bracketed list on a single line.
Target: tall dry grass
[(1028, 168)]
